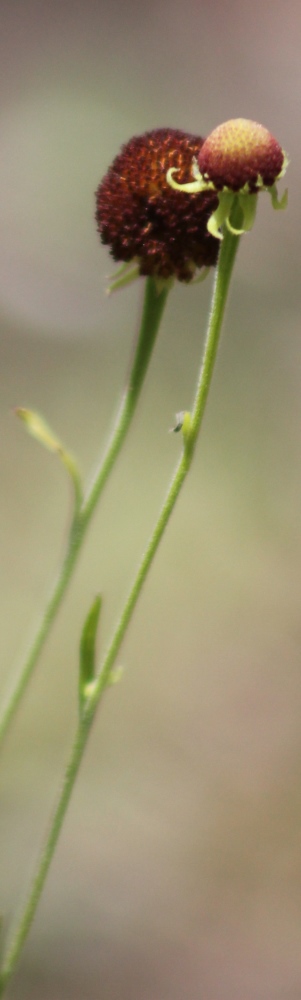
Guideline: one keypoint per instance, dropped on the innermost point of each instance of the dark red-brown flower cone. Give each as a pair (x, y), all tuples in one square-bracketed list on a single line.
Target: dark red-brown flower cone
[(140, 217)]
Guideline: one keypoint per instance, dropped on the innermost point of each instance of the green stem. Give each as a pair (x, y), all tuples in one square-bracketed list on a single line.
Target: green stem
[(222, 280), (223, 276), (154, 303)]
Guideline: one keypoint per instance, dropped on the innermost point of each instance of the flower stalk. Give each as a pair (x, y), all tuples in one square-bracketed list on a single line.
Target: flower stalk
[(154, 303), (190, 432)]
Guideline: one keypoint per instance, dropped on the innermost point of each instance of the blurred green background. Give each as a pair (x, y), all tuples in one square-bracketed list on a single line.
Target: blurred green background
[(178, 871)]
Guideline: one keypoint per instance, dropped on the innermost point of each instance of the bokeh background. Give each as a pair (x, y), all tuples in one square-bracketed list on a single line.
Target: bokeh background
[(178, 871)]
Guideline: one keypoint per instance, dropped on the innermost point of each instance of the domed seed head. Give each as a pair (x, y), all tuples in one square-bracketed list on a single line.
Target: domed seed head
[(236, 161), (143, 220), (240, 153)]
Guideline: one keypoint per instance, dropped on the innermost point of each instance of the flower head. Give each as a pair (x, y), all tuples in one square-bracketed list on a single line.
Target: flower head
[(241, 152), (143, 220), (237, 160)]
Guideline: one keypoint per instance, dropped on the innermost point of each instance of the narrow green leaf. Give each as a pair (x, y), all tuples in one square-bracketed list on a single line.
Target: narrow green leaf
[(87, 650), (40, 430)]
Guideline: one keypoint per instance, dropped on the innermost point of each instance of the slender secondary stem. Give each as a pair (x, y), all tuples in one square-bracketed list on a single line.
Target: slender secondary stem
[(154, 302), (223, 276)]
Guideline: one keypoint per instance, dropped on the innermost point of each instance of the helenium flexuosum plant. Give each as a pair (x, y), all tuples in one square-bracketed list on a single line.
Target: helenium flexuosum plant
[(168, 230)]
